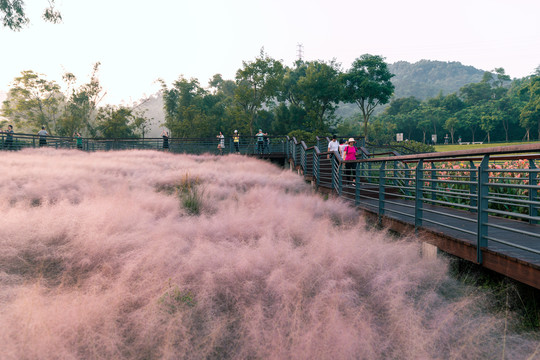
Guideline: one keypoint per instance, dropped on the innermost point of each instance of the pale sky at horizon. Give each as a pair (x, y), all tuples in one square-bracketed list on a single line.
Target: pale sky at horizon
[(139, 41)]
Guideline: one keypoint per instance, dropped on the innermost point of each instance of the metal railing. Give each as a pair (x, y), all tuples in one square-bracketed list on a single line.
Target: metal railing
[(245, 145), (489, 196)]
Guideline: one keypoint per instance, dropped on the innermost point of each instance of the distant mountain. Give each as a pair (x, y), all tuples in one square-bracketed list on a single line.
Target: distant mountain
[(153, 107), (426, 78)]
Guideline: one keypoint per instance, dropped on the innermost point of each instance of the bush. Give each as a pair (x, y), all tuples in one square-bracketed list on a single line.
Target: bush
[(412, 147)]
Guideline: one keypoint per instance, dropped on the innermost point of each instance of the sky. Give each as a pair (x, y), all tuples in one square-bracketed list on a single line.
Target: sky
[(138, 42)]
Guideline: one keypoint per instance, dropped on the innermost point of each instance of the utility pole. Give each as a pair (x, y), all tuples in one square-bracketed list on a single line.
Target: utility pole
[(300, 51)]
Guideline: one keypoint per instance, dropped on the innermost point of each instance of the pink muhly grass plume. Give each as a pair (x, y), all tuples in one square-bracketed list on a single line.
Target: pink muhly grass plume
[(101, 257)]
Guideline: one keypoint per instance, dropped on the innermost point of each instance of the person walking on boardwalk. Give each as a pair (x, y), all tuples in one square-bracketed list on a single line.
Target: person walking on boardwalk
[(221, 144), (350, 154), (236, 141), (260, 141), (333, 145), (165, 136), (42, 136)]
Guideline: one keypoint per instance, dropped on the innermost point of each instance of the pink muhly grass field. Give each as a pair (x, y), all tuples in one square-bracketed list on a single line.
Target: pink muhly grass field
[(101, 258)]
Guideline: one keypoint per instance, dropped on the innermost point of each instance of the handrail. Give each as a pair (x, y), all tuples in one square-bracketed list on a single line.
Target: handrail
[(472, 200), (463, 153)]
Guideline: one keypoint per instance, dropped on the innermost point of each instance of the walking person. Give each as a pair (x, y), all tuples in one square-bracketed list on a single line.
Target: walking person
[(165, 136), (350, 154), (221, 144), (333, 145), (236, 141), (43, 136)]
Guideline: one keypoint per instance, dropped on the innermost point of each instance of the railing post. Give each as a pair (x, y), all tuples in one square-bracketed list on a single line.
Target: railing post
[(382, 179), (482, 208), (433, 177), (339, 177), (533, 195), (418, 194), (357, 184), (303, 160), (396, 174), (317, 168), (472, 187)]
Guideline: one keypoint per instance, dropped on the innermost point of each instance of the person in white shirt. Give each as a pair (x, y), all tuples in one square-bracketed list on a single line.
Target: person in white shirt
[(333, 145)]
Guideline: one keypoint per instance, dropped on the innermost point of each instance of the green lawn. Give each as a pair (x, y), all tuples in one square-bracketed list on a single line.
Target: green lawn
[(441, 148)]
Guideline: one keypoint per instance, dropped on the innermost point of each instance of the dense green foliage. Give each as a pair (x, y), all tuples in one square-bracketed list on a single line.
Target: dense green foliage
[(13, 15), (33, 102), (306, 98), (279, 99), (493, 109)]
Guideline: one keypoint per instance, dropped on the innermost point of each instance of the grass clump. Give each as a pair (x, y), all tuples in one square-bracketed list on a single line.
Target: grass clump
[(189, 192), (174, 299)]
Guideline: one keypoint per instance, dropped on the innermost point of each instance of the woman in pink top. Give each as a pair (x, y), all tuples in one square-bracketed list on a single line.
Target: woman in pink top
[(350, 154)]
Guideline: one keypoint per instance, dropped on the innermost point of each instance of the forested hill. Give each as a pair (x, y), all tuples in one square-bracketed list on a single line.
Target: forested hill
[(426, 78)]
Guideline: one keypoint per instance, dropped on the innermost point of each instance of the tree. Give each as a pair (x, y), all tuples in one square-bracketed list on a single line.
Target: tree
[(488, 123), (115, 122), (530, 114), (402, 105), (476, 93), (451, 125), (257, 84), (141, 122), (33, 101), (81, 106), (319, 92), (188, 113), (470, 118), (368, 84), (13, 16)]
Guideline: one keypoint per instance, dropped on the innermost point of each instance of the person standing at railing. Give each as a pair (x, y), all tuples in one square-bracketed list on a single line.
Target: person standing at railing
[(350, 154), (260, 141), (165, 136), (78, 140), (236, 141), (221, 144), (43, 136), (9, 138), (333, 145)]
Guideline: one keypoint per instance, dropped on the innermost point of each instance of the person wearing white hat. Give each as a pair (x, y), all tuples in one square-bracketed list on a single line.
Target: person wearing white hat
[(236, 141), (350, 154)]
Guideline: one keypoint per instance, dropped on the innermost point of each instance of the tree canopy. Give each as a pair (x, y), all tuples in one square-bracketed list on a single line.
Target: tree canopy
[(13, 14)]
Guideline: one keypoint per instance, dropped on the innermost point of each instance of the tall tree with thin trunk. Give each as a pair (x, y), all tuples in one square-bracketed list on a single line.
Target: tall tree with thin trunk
[(367, 83), (257, 84)]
